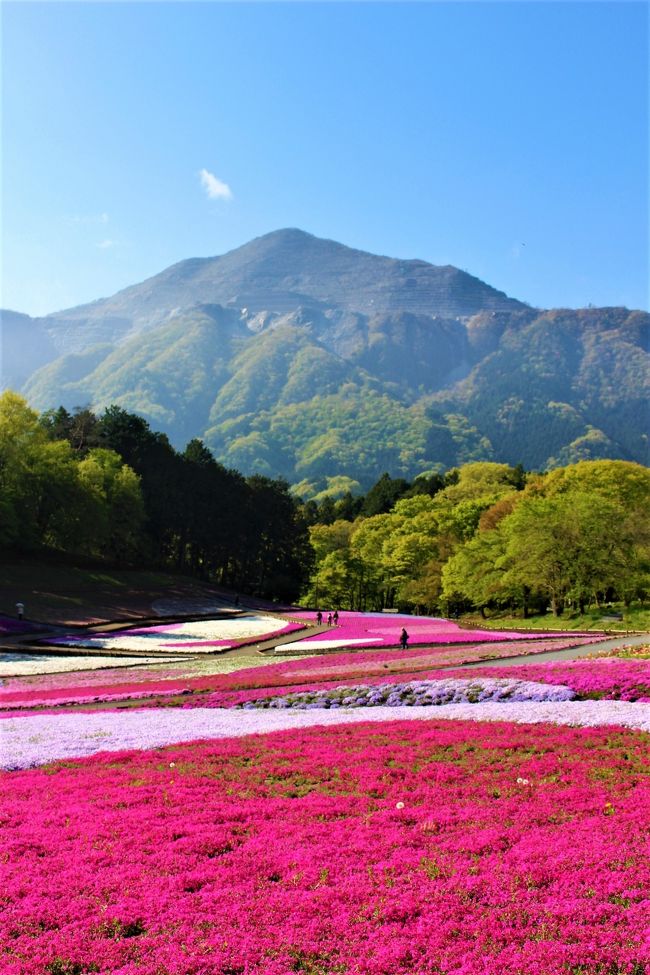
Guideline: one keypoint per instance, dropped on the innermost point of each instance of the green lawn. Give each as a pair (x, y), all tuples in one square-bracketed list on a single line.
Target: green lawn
[(636, 617)]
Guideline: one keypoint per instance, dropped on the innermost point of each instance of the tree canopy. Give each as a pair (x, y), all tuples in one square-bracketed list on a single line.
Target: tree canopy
[(110, 487)]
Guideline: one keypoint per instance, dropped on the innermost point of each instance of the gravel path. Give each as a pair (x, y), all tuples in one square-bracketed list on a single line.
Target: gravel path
[(37, 739)]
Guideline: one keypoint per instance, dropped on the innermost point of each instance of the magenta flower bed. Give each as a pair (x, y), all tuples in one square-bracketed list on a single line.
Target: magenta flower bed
[(383, 630), (614, 678), (611, 678), (417, 848), (304, 672)]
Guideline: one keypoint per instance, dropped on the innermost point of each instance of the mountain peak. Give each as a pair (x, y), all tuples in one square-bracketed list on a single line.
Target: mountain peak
[(278, 273)]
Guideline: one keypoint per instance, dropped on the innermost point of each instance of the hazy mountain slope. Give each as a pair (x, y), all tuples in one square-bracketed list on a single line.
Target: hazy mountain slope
[(25, 346), (169, 375), (357, 431), (67, 378), (565, 375)]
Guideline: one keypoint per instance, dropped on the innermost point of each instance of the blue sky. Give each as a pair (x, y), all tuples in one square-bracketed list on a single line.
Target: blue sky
[(508, 139)]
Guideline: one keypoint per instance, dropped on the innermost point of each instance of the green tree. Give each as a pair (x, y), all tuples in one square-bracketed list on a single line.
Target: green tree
[(383, 495), (478, 573), (113, 506), (38, 482), (574, 546)]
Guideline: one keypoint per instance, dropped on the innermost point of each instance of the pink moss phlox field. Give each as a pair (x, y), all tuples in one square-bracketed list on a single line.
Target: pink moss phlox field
[(380, 629), (69, 689), (609, 678), (396, 849), (614, 678), (363, 663)]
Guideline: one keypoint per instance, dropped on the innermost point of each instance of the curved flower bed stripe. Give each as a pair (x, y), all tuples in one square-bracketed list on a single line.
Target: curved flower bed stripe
[(611, 677), (37, 739), (397, 849), (197, 635), (608, 679), (421, 693), (46, 669), (361, 662), (303, 672), (381, 629)]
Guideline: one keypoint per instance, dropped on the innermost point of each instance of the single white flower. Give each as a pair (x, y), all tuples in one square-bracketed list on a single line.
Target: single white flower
[(399, 805)]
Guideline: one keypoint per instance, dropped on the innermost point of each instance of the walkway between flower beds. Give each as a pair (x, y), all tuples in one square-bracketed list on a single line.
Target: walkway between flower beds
[(570, 653), (38, 739)]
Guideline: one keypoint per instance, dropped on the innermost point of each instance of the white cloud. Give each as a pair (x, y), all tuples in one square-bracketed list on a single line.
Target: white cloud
[(214, 187), (89, 218), (105, 244)]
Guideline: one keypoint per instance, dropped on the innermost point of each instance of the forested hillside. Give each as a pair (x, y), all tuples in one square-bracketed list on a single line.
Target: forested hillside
[(300, 358), (482, 535), (110, 488)]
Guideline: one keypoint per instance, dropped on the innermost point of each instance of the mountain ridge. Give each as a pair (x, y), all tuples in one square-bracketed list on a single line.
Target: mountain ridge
[(278, 352)]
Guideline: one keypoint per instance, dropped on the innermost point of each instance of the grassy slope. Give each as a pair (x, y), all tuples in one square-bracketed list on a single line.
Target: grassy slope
[(56, 592), (636, 618)]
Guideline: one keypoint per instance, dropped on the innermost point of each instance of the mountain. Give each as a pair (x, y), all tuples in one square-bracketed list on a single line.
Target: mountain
[(298, 356), (24, 347), (276, 274)]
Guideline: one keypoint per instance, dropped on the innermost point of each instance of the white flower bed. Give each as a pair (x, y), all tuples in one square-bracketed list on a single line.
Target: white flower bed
[(25, 665), (37, 739), (195, 636), (324, 644)]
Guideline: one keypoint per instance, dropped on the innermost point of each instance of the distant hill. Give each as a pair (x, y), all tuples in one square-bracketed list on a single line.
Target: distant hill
[(298, 356)]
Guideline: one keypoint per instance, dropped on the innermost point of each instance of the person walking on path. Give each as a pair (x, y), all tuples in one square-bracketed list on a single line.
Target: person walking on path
[(403, 639), (319, 617), (329, 619), (20, 610), (335, 618)]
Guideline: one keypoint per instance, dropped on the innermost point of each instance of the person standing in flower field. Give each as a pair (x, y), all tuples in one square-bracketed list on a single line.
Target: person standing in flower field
[(403, 639), (20, 610)]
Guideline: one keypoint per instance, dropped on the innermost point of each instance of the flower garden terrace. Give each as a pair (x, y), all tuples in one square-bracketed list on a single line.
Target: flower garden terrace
[(353, 812), (381, 849), (360, 646)]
